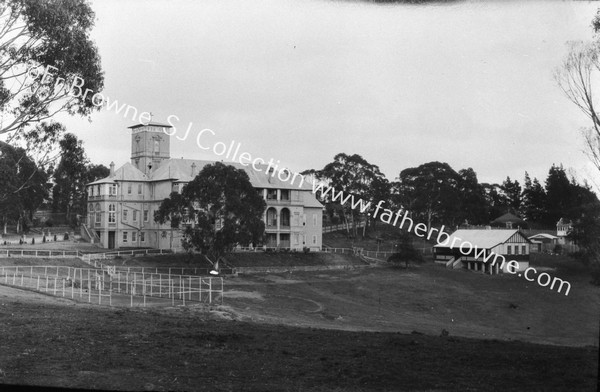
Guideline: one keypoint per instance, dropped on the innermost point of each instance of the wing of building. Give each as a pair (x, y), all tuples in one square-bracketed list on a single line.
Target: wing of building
[(121, 206), (486, 245)]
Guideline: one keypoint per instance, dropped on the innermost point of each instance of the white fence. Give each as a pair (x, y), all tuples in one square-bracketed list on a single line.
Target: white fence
[(117, 287), (40, 253)]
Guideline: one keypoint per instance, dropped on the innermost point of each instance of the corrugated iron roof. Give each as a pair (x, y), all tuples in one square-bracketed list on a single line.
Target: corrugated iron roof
[(483, 239)]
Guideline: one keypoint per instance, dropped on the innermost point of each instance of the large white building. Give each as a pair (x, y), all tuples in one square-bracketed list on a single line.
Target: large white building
[(121, 206)]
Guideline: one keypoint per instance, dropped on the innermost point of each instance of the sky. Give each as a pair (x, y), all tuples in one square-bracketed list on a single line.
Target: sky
[(299, 81)]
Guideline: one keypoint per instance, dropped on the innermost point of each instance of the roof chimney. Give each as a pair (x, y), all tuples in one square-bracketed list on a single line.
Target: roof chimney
[(193, 169), (112, 169)]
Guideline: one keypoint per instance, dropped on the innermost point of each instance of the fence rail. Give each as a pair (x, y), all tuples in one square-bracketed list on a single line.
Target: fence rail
[(40, 253), (117, 287)]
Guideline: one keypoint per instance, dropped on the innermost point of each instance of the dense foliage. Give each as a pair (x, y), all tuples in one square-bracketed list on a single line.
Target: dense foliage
[(217, 210)]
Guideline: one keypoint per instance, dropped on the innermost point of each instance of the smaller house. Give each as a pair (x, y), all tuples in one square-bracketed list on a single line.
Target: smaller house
[(542, 242), (486, 245), (563, 228), (509, 221)]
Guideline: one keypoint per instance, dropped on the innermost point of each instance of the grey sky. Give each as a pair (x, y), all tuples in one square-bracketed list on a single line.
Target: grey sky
[(300, 81)]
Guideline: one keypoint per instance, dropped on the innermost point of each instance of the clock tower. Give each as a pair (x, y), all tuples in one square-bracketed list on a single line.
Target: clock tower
[(150, 145)]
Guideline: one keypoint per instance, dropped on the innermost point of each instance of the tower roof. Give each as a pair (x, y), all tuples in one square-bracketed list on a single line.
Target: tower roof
[(150, 124)]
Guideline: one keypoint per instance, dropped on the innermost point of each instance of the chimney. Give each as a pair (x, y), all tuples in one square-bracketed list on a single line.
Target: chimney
[(193, 170), (112, 169)]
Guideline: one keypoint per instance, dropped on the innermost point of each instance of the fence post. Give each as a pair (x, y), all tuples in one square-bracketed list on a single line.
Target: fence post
[(38, 284), (209, 290)]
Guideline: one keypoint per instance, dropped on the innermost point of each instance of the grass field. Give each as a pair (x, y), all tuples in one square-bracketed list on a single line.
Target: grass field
[(369, 329)]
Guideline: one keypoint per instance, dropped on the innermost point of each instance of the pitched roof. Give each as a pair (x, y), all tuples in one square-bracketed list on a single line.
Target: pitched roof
[(483, 239), (543, 235), (152, 124), (127, 172), (181, 170)]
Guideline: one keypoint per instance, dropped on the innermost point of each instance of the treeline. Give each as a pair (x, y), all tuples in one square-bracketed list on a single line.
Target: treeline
[(436, 194), (57, 184)]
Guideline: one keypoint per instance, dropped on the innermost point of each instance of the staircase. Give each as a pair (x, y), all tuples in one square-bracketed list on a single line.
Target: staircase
[(454, 263), (89, 235)]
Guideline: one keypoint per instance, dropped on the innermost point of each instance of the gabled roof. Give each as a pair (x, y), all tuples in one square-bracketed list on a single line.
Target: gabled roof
[(483, 239), (127, 172), (543, 235)]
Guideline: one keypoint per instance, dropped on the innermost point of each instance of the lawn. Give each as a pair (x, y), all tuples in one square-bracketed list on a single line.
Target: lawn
[(52, 343)]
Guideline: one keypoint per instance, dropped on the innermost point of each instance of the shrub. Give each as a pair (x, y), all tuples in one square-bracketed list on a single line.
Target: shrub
[(306, 249), (44, 239), (66, 237), (54, 237), (558, 249), (32, 241), (406, 252), (49, 223)]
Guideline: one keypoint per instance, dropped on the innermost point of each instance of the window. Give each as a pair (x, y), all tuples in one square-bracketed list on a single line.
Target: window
[(111, 213), (271, 194), (314, 239), (517, 249), (98, 189), (285, 194), (143, 237), (139, 189), (91, 191), (314, 219), (129, 188), (112, 190), (91, 208), (135, 215), (145, 215), (175, 188), (133, 236), (124, 236), (97, 209), (509, 226), (508, 250), (524, 249), (125, 213)]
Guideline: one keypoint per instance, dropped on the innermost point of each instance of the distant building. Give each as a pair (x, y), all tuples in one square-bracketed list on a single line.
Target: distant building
[(563, 228), (543, 242), (121, 206), (512, 244), (509, 221)]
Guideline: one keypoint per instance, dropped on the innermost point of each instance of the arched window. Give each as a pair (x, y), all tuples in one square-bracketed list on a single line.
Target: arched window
[(285, 217), (271, 217)]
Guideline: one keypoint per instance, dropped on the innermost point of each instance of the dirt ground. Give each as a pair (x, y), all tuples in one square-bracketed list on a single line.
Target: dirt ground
[(368, 329)]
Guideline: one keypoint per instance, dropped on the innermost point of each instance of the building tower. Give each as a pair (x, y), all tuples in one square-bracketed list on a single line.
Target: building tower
[(150, 145)]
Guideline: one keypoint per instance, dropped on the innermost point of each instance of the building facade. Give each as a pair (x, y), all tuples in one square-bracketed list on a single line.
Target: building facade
[(511, 244), (121, 206)]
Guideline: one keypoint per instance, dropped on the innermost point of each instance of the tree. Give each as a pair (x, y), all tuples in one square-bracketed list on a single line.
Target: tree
[(69, 176), (405, 251), (586, 232), (558, 194), (472, 197), (23, 186), (46, 61), (431, 193), (512, 194), (352, 174), (533, 200), (219, 209)]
